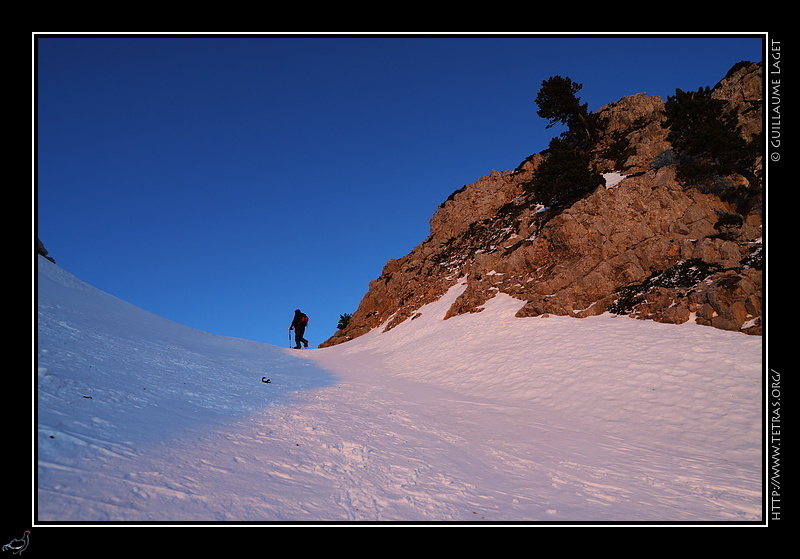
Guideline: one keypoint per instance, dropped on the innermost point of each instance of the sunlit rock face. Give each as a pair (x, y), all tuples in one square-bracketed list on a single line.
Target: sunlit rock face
[(643, 245)]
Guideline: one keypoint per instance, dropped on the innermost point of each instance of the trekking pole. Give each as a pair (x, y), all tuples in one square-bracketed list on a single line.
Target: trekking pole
[(290, 337)]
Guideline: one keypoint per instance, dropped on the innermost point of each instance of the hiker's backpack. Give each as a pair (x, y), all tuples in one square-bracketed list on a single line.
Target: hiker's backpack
[(304, 320)]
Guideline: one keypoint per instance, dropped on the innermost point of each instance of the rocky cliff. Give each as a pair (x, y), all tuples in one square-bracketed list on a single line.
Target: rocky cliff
[(644, 245)]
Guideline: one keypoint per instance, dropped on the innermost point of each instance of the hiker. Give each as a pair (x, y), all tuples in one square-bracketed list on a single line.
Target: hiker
[(299, 326)]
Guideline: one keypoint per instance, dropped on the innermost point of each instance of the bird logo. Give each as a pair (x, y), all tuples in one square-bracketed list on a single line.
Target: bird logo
[(18, 545)]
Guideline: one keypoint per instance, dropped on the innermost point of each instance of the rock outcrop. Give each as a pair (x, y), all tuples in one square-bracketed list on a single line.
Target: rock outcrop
[(43, 251), (644, 245)]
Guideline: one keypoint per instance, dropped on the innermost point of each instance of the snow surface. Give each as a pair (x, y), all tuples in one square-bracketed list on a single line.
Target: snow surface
[(479, 418), (613, 179)]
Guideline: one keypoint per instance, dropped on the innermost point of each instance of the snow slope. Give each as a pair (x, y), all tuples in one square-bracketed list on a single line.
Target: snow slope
[(479, 418)]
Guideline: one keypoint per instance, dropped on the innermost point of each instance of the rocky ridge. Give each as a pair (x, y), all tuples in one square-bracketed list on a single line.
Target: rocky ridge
[(644, 245)]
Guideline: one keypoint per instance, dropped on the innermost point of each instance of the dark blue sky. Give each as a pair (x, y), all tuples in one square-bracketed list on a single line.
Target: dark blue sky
[(222, 182)]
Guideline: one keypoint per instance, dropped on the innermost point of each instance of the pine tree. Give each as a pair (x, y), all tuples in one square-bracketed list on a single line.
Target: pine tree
[(344, 320), (709, 142), (558, 103), (563, 176)]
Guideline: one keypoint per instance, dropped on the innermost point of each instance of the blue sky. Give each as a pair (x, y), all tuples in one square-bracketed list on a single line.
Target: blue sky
[(222, 182)]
